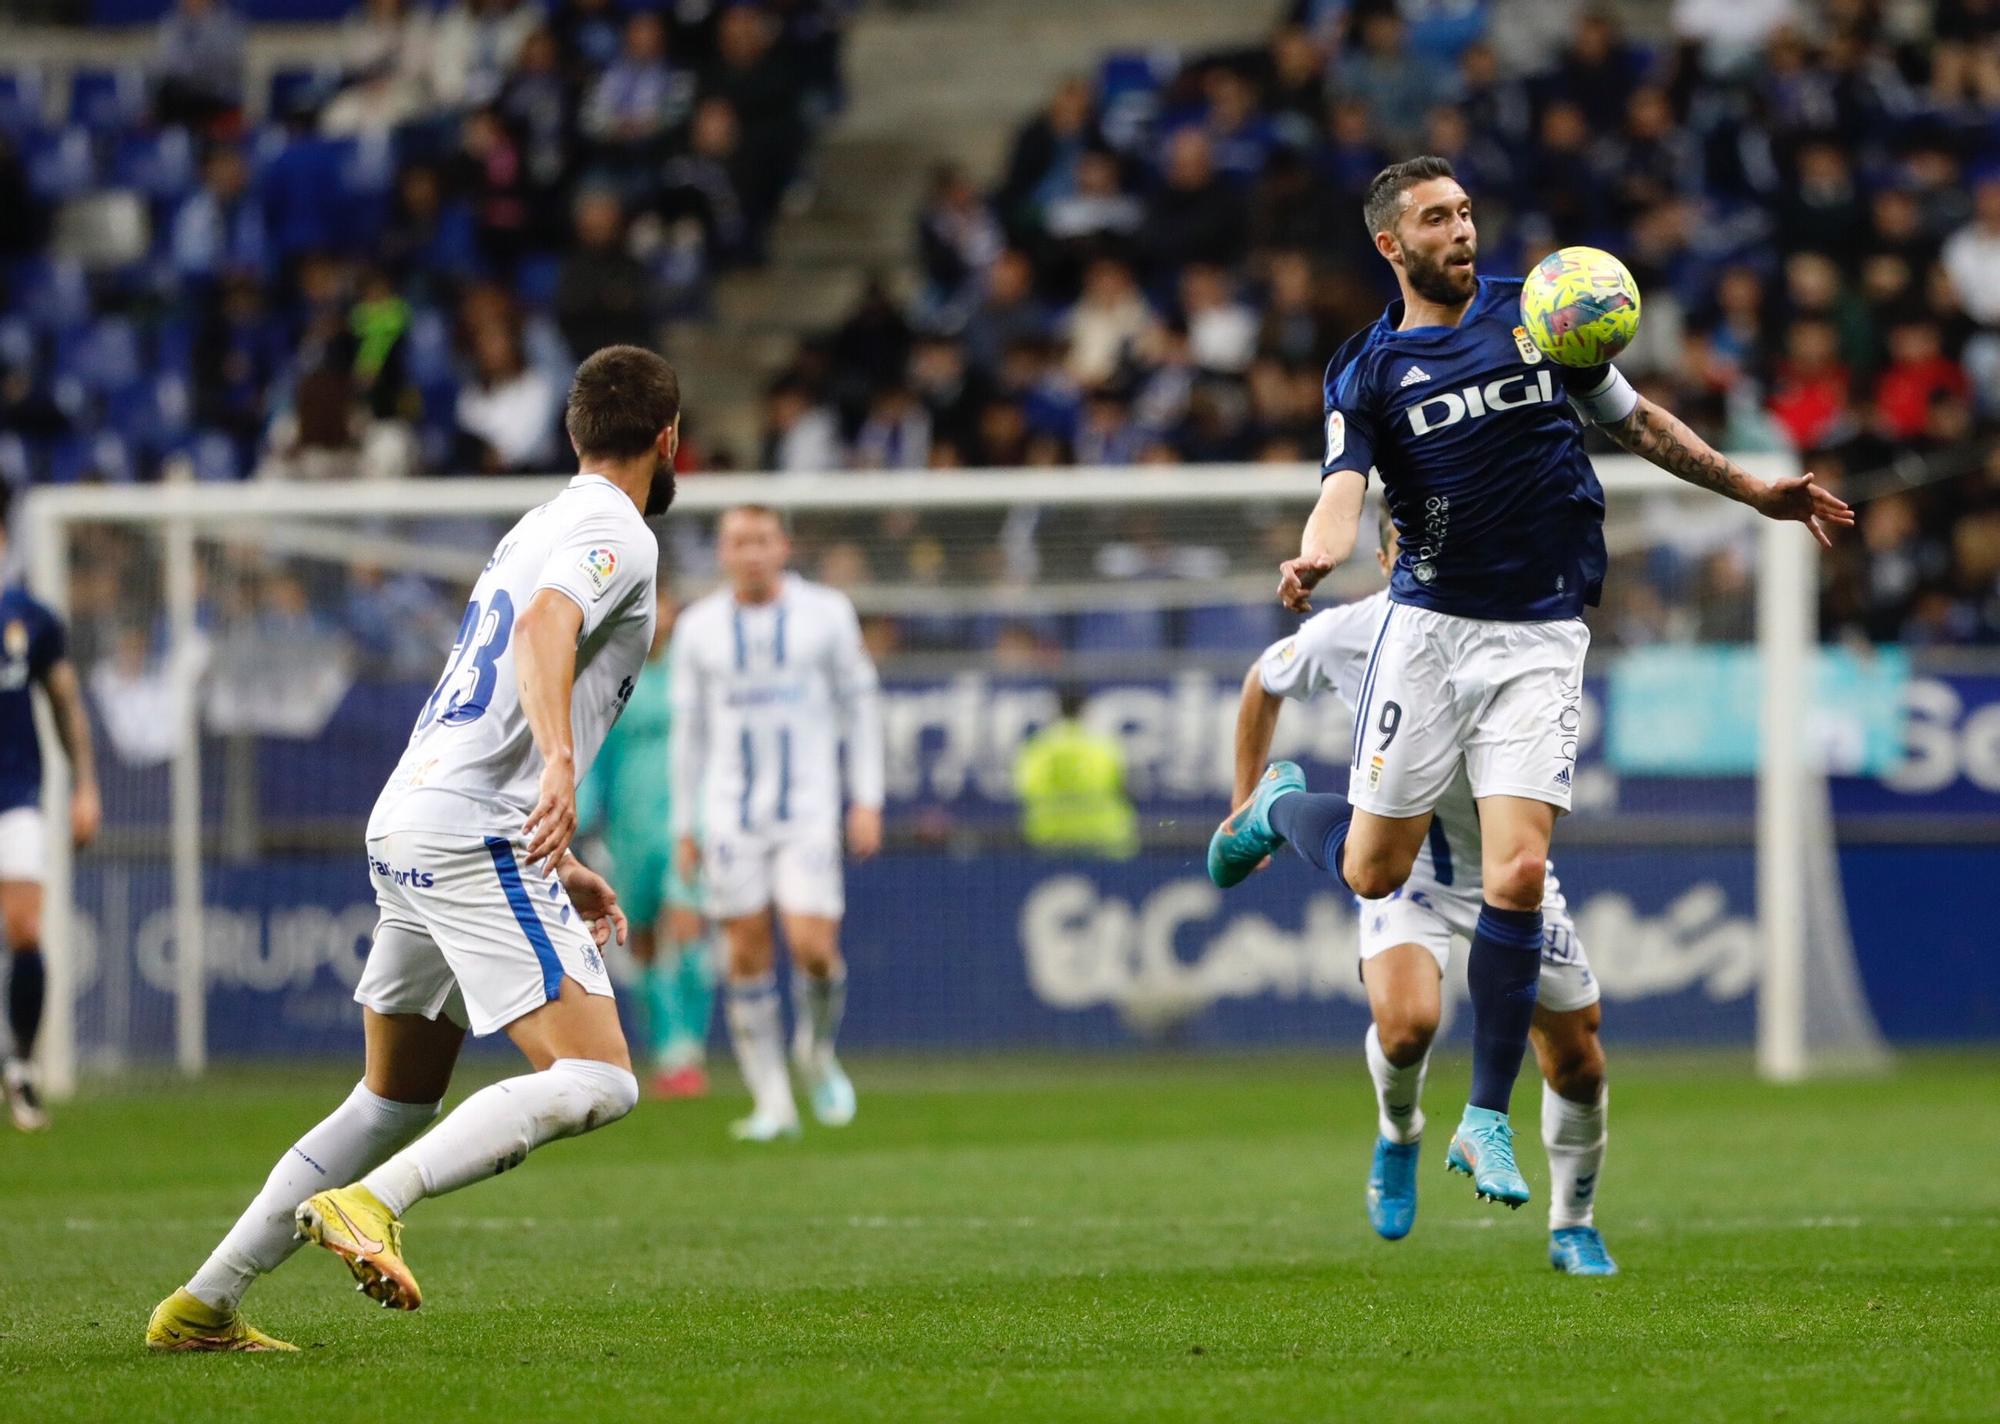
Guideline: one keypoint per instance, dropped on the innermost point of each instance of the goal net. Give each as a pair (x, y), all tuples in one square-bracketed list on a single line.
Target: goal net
[(254, 657)]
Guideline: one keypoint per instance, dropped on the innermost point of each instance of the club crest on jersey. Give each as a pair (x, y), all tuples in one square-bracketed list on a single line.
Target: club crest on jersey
[(1289, 651), (1525, 344), (1509, 392), (598, 566)]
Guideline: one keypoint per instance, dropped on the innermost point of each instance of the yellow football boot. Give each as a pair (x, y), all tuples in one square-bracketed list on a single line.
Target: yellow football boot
[(352, 1223), (184, 1322)]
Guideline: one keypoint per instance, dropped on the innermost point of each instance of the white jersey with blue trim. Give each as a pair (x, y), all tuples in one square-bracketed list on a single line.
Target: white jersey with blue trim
[(765, 696), (471, 764), (1331, 652)]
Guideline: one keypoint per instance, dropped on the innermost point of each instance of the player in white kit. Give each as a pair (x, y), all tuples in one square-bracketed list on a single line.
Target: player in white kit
[(487, 921), (1405, 944), (770, 682)]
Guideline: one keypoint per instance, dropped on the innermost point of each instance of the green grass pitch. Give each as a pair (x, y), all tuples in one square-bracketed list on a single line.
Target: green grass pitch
[(1133, 1239)]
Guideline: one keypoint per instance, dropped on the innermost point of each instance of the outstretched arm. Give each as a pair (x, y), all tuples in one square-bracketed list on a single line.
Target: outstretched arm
[(1656, 434), (1256, 724), (65, 694), (1328, 538)]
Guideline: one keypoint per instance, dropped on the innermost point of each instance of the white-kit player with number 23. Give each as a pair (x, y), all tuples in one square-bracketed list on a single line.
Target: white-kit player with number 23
[(487, 921), (770, 683)]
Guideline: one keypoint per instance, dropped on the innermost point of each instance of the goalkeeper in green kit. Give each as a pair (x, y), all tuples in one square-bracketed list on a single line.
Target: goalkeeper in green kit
[(624, 803)]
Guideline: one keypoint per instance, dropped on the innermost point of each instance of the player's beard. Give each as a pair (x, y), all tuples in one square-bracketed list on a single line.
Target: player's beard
[(660, 493), (1432, 280)]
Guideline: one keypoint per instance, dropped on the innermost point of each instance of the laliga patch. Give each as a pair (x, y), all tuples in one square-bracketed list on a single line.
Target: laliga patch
[(1375, 772), (1289, 651), (1336, 436), (1525, 344), (598, 566)]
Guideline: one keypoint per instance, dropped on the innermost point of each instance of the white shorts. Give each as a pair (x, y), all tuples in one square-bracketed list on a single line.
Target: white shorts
[(796, 868), (1433, 916), (21, 844), (1506, 698), (468, 931)]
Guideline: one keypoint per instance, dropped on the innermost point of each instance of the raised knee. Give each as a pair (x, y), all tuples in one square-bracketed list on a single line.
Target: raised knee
[(614, 1095), (1372, 880), (1517, 881)]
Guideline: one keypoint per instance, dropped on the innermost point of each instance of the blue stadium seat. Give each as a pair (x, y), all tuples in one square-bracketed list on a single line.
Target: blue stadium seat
[(299, 89), (1230, 628), (155, 413), (52, 292), (21, 101), (61, 163), (18, 344), (104, 456), (17, 461), (1128, 92), (161, 164), (173, 347), (104, 355), (213, 454), (106, 100), (1119, 630), (535, 279)]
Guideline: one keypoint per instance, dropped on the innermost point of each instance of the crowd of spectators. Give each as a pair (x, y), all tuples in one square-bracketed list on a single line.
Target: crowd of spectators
[(389, 261), (1809, 196)]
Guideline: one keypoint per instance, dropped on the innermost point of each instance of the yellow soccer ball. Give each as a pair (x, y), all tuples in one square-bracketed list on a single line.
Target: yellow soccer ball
[(1580, 306)]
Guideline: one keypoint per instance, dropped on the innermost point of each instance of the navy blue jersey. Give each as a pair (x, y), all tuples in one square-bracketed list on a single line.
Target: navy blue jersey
[(31, 642), (1481, 460)]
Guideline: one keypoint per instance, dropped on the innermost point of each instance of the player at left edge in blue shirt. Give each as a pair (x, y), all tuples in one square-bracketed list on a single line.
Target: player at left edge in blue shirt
[(33, 653)]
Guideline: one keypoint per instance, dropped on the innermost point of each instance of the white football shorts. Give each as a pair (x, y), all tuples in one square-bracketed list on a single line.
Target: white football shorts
[(21, 844), (1433, 916), (1507, 697), (470, 931), (794, 867)]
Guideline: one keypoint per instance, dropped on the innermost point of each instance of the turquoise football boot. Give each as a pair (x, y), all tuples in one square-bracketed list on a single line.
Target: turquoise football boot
[(1483, 1149), (1392, 1189), (1240, 843), (1579, 1251)]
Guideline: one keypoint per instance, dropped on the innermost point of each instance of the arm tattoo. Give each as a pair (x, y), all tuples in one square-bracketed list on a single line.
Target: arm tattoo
[(1659, 436)]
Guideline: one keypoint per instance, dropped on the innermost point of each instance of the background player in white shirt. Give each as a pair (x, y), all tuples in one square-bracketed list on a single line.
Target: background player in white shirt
[(770, 681), (1405, 942), (487, 920)]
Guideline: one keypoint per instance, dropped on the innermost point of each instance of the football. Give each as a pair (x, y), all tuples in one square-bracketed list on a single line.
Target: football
[(1580, 306)]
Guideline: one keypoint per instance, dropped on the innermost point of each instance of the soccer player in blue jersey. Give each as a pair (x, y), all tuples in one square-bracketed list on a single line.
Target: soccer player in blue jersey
[(1478, 662), (33, 653)]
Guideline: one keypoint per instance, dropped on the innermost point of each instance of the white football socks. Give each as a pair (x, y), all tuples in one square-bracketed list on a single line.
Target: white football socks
[(1575, 1134), (757, 1034), (356, 1137), (1398, 1091), (817, 1006), (498, 1126)]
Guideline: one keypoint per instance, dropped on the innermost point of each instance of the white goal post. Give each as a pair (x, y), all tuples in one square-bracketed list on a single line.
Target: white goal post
[(1793, 839)]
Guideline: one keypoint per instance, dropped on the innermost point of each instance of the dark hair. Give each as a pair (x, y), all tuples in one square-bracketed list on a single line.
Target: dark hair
[(756, 511), (620, 401), (1385, 193), (1071, 700)]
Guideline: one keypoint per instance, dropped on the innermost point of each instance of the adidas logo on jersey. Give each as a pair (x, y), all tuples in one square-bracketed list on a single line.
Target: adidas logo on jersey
[(1450, 407), (1562, 777), (1415, 375)]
